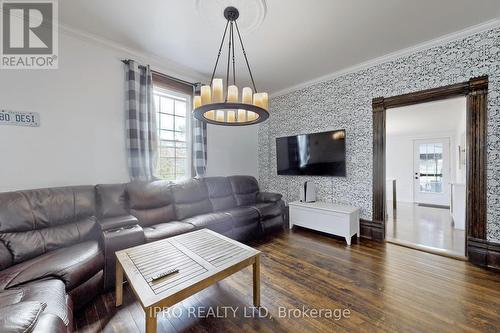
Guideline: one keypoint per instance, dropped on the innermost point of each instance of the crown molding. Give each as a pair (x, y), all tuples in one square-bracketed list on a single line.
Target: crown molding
[(161, 64), (461, 34)]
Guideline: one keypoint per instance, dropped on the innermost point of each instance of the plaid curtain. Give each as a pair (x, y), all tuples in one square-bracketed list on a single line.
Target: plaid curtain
[(199, 143), (142, 135)]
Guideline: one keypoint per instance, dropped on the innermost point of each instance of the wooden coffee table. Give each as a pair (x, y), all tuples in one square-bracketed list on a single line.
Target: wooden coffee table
[(201, 257)]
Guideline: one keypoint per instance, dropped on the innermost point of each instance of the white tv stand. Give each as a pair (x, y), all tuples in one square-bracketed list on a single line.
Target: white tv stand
[(339, 220)]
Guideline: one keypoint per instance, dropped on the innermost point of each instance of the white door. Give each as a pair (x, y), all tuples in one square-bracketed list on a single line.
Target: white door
[(432, 171)]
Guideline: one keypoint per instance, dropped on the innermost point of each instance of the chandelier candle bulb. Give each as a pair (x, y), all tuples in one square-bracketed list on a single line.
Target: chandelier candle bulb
[(206, 95), (257, 100), (218, 91), (242, 116), (246, 97), (231, 116), (265, 100), (197, 101), (232, 94), (219, 116), (210, 115)]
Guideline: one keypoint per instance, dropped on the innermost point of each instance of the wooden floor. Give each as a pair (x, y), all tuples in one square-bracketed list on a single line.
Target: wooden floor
[(428, 227), (385, 287)]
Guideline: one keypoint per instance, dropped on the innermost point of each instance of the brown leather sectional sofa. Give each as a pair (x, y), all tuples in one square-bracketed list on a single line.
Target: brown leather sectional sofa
[(57, 245)]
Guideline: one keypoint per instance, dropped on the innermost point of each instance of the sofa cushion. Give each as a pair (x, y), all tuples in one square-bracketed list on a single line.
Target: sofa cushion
[(111, 200), (21, 317), (5, 256), (12, 296), (165, 230), (34, 222), (30, 244), (52, 292), (191, 199), (151, 202), (245, 189), (43, 208), (269, 209), (243, 215), (73, 265), (220, 193), (49, 323), (218, 222)]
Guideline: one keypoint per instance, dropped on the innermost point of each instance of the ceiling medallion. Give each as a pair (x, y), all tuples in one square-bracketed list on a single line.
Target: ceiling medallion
[(213, 106), (210, 11)]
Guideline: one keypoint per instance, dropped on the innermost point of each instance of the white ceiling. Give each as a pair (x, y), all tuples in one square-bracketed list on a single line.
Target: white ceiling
[(427, 118), (288, 42)]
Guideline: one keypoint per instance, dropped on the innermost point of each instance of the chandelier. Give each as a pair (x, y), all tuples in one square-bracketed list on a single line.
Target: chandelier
[(217, 106)]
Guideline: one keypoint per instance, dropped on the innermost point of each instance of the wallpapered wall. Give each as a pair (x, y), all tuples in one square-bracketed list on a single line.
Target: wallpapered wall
[(345, 102)]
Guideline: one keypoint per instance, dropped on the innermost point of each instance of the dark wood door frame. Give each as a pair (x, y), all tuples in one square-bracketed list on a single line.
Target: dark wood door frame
[(476, 92)]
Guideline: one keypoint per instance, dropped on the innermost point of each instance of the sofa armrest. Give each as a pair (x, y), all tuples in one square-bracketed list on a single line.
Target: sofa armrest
[(268, 197), (115, 240), (117, 222)]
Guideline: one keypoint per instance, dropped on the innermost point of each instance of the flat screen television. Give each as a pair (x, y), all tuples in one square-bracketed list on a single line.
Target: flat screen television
[(315, 154)]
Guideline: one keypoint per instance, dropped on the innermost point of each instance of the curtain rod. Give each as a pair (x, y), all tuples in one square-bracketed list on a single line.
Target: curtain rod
[(126, 61)]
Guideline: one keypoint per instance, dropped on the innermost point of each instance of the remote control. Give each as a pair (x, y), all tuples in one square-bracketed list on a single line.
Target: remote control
[(163, 274)]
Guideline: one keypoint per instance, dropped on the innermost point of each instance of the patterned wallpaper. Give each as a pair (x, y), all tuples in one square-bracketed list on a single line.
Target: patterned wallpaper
[(345, 102)]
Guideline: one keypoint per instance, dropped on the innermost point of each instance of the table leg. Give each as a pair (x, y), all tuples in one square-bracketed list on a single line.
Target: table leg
[(151, 322), (119, 284), (256, 281)]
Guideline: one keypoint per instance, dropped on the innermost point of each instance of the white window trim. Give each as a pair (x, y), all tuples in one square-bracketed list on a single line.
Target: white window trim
[(189, 130)]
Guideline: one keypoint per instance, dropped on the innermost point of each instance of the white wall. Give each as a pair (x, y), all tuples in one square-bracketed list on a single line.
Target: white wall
[(232, 150), (460, 140), (81, 139)]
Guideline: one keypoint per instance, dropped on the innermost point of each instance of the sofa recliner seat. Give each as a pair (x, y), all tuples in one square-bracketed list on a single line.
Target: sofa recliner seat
[(49, 250), (73, 265), (244, 216), (220, 222), (52, 293)]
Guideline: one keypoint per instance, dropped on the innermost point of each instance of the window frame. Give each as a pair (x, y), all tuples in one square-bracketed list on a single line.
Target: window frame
[(187, 98)]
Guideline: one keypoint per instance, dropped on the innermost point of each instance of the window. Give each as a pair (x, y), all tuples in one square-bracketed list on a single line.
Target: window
[(173, 123), (431, 167)]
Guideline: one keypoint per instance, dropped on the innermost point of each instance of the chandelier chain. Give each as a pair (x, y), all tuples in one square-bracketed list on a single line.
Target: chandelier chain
[(234, 61), (220, 51), (229, 55), (245, 55)]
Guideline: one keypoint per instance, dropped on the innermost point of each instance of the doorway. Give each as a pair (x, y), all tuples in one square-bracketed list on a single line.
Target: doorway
[(422, 164), (476, 92)]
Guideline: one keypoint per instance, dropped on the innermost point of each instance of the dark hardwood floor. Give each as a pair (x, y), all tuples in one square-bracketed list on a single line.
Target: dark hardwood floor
[(385, 287)]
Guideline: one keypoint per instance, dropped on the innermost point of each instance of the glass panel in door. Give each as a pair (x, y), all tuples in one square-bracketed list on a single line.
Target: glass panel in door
[(432, 171), (431, 167)]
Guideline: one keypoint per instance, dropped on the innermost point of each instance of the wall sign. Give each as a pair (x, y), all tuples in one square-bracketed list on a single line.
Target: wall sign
[(17, 118)]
